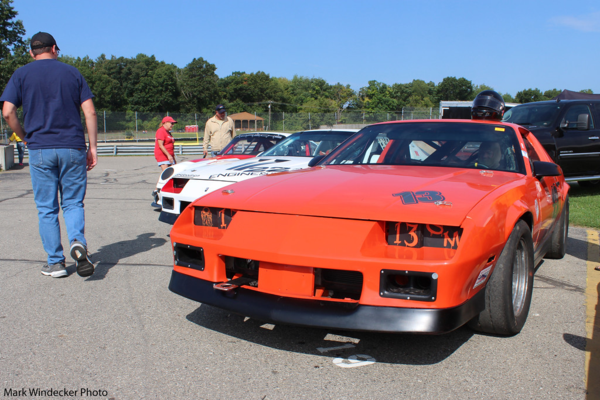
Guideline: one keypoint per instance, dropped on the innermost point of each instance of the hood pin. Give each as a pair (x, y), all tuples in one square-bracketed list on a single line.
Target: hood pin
[(443, 203)]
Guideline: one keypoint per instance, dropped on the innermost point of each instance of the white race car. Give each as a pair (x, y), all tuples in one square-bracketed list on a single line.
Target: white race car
[(245, 145), (295, 152)]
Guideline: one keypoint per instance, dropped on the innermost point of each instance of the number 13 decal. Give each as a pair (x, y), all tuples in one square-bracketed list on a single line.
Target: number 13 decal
[(420, 197)]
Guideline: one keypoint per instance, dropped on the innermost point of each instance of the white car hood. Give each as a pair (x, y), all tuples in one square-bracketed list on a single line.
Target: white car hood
[(243, 169), (183, 166)]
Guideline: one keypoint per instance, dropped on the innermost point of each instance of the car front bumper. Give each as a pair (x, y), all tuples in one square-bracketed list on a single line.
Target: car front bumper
[(327, 314)]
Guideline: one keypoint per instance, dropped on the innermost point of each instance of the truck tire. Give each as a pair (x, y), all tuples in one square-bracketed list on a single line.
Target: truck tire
[(508, 291), (559, 236)]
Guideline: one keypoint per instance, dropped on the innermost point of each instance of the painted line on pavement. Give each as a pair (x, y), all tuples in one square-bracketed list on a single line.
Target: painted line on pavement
[(592, 320)]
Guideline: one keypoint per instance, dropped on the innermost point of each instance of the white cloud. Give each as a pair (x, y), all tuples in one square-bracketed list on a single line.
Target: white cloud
[(586, 23)]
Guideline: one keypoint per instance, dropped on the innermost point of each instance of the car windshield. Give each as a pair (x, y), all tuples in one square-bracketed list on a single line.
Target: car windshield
[(533, 114), (458, 145), (249, 145), (308, 144)]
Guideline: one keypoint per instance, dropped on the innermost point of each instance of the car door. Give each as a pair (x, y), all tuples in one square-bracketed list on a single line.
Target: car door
[(546, 197), (579, 149)]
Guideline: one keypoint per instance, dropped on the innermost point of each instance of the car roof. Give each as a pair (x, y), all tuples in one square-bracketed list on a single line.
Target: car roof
[(328, 130), (331, 130), (515, 127), (443, 121), (263, 134), (569, 101)]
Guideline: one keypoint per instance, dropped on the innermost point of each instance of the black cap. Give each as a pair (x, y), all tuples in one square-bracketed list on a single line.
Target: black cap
[(220, 108), (46, 39)]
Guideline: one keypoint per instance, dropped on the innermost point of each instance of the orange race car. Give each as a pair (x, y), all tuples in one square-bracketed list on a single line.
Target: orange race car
[(412, 226)]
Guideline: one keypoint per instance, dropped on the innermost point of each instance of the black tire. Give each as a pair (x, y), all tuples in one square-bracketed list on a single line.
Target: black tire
[(508, 292), (559, 236), (588, 183)]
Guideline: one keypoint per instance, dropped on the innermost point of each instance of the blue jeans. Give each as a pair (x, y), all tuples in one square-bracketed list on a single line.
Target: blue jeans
[(57, 172), (21, 150)]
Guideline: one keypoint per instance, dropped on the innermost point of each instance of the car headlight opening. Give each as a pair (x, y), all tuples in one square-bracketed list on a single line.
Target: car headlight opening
[(213, 217), (167, 173), (415, 235)]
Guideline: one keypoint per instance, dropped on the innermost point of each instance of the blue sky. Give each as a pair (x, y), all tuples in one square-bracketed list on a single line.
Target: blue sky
[(508, 45)]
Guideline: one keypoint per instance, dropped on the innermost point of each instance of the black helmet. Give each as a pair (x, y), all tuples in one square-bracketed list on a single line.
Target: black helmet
[(488, 105)]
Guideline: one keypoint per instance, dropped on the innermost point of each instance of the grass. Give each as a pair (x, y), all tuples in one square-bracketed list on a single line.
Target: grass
[(584, 206)]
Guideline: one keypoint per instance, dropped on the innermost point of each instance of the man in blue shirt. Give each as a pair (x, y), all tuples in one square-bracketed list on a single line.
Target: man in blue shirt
[(51, 94)]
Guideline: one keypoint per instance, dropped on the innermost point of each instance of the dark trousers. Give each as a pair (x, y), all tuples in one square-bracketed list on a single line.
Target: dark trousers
[(21, 150)]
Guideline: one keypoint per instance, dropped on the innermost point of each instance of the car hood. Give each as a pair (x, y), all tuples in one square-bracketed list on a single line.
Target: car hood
[(380, 193), (238, 170)]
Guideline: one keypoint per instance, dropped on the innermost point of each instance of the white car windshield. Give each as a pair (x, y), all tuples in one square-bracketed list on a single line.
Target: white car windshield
[(308, 144)]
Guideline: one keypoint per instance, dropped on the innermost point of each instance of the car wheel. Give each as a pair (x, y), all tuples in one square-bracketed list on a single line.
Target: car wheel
[(588, 183), (508, 292), (560, 234)]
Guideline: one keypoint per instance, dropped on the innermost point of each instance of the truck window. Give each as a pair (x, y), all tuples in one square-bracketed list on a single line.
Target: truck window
[(570, 119), (533, 114)]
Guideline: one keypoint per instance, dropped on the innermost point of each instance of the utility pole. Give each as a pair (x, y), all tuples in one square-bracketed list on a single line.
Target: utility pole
[(269, 127)]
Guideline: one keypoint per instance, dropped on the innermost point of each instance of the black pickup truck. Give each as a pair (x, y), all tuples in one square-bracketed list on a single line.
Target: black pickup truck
[(569, 129)]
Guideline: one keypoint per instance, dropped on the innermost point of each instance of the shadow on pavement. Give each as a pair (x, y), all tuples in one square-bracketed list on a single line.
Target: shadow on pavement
[(579, 248), (108, 256), (16, 166), (579, 342), (384, 347)]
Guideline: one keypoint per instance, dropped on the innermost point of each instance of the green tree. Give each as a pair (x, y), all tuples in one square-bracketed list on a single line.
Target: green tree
[(417, 93), (588, 91), (108, 94), (454, 89), (11, 31), (256, 91), (421, 94), (300, 89), (165, 79), (550, 94), (13, 46), (342, 98), (478, 89), (377, 97), (150, 85), (110, 83), (402, 92), (529, 95), (199, 85), (507, 98)]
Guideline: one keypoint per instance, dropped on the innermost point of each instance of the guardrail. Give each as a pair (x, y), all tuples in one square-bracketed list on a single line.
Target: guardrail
[(116, 150), (134, 150)]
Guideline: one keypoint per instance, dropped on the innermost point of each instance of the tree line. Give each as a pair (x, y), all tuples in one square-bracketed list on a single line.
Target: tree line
[(145, 84)]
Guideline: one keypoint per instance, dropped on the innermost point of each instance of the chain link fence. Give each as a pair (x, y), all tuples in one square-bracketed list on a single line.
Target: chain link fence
[(134, 126)]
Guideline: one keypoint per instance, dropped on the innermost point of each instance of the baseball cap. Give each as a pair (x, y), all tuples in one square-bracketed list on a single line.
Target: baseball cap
[(46, 39), (220, 108), (168, 119)]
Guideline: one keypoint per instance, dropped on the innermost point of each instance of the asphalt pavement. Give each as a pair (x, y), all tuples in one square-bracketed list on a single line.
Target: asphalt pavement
[(121, 334)]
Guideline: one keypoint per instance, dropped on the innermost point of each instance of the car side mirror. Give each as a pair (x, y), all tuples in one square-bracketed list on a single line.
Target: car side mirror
[(315, 160), (583, 122), (543, 168)]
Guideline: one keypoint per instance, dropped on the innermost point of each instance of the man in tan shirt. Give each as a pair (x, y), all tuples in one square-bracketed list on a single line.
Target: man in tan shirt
[(219, 130)]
